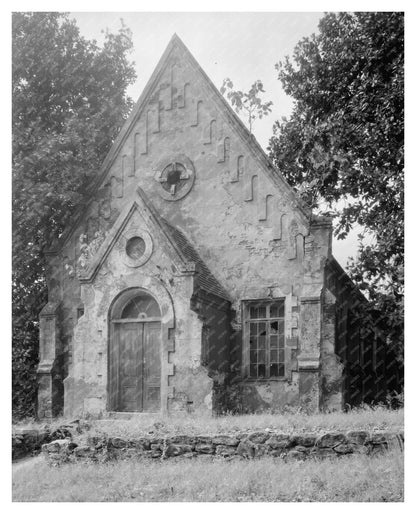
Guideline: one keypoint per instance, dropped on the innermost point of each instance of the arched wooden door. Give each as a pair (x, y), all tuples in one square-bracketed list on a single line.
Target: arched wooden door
[(134, 355)]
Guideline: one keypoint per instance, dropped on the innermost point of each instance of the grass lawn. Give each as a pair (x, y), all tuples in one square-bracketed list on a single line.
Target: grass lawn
[(144, 424), (356, 478), (378, 418)]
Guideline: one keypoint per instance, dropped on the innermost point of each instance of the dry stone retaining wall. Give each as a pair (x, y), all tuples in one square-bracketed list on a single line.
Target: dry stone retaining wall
[(248, 446), (26, 442)]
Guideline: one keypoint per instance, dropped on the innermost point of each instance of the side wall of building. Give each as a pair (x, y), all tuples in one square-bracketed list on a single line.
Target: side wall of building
[(371, 369)]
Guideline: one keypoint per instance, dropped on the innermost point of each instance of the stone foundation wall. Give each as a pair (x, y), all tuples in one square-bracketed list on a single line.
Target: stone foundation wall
[(225, 446)]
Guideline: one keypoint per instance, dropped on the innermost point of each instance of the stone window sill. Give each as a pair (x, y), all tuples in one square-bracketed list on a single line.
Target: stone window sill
[(263, 380)]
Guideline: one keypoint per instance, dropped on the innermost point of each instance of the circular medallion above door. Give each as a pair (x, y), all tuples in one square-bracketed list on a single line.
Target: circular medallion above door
[(137, 247)]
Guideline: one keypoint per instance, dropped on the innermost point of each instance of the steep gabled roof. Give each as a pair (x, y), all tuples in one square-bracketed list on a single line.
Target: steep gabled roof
[(188, 257), (343, 281), (205, 278), (248, 138)]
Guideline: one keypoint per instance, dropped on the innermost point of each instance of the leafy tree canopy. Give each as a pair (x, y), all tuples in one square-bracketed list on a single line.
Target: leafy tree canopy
[(344, 142), (69, 101)]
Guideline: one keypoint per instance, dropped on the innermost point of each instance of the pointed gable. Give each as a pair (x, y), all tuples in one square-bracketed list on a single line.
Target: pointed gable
[(169, 91), (176, 50), (187, 258), (164, 89), (205, 175)]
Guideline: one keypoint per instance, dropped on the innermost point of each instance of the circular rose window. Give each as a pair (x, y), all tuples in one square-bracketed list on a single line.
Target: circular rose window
[(175, 176)]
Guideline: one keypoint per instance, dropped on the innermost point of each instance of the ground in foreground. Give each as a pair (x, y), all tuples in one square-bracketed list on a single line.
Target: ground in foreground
[(365, 418), (358, 478)]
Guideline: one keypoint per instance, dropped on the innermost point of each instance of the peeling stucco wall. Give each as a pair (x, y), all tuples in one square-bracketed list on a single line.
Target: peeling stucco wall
[(86, 386)]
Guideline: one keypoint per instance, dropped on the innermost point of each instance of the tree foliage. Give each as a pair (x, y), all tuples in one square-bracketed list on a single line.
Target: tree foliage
[(69, 101), (344, 143), (249, 103)]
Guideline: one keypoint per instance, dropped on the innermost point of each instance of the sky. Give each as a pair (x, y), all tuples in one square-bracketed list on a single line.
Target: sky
[(242, 46)]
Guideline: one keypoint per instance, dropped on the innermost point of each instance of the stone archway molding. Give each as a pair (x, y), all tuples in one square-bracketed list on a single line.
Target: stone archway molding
[(157, 290)]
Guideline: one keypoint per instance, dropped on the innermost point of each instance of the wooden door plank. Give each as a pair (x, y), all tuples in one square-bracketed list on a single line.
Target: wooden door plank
[(152, 366), (130, 367), (113, 368)]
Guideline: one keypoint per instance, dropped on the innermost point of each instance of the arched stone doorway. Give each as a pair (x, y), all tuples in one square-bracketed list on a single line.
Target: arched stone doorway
[(134, 372)]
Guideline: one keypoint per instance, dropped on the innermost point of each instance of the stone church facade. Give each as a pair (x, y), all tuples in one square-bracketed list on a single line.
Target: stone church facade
[(194, 280)]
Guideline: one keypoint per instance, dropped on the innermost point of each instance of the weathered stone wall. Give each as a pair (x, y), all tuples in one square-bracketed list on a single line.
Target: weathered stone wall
[(27, 442), (86, 387), (229, 446)]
